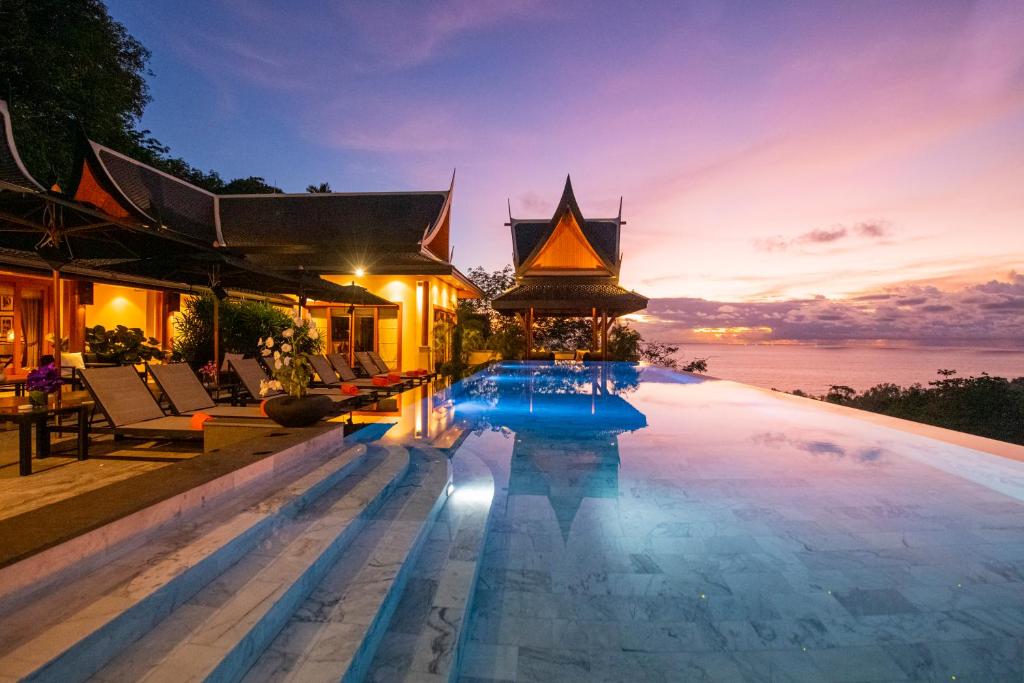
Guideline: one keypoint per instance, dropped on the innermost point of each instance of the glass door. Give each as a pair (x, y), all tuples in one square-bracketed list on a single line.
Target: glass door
[(341, 332), (364, 324)]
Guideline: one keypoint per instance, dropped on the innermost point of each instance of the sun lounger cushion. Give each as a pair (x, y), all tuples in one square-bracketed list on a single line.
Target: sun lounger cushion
[(169, 424)]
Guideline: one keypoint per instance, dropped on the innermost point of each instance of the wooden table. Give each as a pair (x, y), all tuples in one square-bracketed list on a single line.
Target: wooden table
[(75, 402)]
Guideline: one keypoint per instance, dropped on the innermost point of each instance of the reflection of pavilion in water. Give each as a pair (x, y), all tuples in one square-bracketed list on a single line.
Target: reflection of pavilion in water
[(566, 433)]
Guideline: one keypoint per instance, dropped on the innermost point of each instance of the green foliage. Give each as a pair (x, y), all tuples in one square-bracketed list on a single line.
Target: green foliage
[(985, 405), (563, 334), (242, 325), (492, 284), (251, 185), (322, 188), (626, 344), (122, 345), (66, 65), (507, 338)]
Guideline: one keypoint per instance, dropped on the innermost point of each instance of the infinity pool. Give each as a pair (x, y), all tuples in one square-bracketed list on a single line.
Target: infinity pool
[(651, 526)]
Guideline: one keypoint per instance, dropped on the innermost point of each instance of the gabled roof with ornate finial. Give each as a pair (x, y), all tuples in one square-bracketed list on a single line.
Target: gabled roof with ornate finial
[(567, 241)]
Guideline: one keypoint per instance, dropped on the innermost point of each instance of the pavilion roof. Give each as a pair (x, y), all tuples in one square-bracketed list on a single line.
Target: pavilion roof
[(569, 295), (530, 235)]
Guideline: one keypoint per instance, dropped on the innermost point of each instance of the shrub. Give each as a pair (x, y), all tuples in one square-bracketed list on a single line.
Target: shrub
[(242, 324), (984, 405)]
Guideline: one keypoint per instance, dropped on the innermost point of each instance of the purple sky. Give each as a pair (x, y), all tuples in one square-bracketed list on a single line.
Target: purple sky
[(769, 154)]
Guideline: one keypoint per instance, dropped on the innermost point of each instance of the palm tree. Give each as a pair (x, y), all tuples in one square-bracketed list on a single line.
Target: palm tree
[(321, 188)]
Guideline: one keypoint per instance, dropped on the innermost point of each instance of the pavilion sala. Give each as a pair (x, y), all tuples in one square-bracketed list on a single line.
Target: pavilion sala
[(568, 266), (395, 244)]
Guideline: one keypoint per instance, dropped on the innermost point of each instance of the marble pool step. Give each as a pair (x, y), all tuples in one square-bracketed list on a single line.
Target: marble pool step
[(70, 629), (217, 634), (334, 634), (426, 638)]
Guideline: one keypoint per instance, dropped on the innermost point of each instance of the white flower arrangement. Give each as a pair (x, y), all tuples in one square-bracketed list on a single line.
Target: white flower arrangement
[(289, 355)]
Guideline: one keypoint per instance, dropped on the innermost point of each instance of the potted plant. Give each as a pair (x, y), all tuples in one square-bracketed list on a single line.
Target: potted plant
[(208, 372), (42, 382), (122, 345), (288, 357)]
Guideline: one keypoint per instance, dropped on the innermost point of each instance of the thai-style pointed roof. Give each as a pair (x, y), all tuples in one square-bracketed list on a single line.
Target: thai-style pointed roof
[(13, 174), (531, 236), (116, 182)]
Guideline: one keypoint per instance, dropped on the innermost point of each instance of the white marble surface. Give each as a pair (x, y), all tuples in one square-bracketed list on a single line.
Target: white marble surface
[(128, 595), (250, 602), (334, 633)]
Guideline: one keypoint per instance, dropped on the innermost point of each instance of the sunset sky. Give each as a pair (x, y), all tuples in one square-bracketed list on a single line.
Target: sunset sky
[(790, 171)]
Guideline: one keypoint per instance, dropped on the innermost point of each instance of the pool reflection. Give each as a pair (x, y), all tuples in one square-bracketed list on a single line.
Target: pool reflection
[(566, 421)]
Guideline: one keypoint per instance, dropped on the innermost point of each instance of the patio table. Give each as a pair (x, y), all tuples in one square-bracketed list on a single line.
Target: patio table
[(75, 402)]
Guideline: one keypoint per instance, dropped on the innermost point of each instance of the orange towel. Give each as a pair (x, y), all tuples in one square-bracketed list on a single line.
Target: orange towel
[(394, 377), (350, 389), (198, 419), (263, 408), (380, 381)]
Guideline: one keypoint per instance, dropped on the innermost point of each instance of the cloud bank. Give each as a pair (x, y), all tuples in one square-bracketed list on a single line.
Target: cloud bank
[(989, 313)]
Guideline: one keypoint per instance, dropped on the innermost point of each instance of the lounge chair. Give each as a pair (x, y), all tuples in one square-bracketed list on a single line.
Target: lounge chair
[(348, 375), (329, 378), (187, 396), (421, 376), (370, 368), (130, 409), (251, 374)]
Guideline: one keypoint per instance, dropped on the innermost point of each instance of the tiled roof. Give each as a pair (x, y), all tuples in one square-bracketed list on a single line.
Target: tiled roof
[(563, 293), (168, 201), (13, 173), (340, 261), (342, 224)]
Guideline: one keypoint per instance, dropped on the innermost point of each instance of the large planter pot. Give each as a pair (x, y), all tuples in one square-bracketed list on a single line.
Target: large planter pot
[(289, 411)]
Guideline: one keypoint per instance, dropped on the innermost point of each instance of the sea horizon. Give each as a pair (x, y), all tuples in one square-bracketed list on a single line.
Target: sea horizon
[(814, 367)]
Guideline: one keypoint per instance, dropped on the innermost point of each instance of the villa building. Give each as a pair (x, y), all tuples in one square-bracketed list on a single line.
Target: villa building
[(395, 244)]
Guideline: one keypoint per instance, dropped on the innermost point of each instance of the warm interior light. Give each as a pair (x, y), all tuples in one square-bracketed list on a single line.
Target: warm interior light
[(10, 335), (360, 272)]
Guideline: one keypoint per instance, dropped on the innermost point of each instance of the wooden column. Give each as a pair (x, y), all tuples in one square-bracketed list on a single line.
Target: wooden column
[(19, 333), (604, 335), (56, 318), (74, 315), (529, 332), (593, 330), (216, 341)]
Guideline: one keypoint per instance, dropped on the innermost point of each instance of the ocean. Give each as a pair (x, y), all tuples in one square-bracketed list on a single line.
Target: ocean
[(815, 368)]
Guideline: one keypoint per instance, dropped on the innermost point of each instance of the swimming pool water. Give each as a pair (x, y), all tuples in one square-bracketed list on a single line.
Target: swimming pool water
[(652, 526)]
